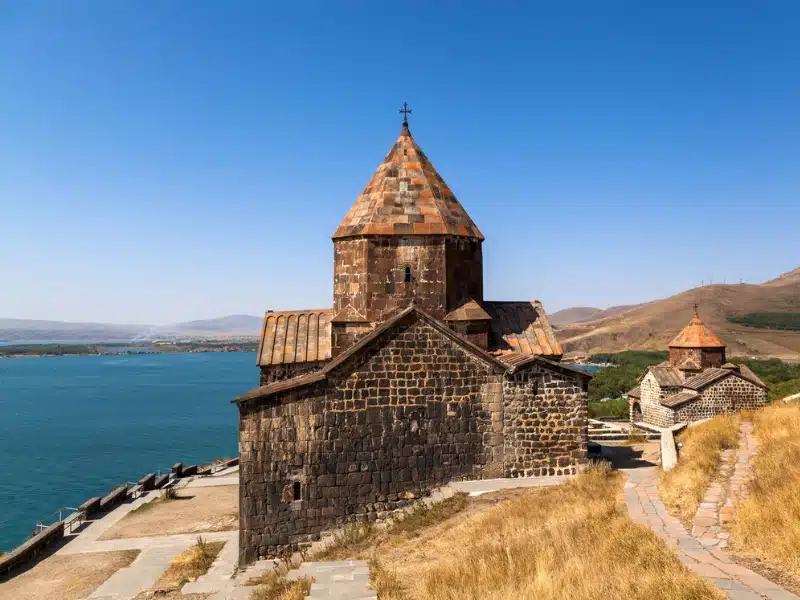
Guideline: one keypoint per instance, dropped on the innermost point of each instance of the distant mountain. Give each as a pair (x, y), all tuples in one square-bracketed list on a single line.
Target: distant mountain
[(652, 325), (15, 330), (19, 330), (571, 315), (578, 314), (242, 324)]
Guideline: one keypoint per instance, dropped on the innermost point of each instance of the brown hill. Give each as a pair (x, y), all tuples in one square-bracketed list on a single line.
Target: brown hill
[(651, 326), (578, 314)]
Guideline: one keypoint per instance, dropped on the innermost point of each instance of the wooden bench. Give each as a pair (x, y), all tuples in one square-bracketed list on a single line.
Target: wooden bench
[(32, 547), (177, 469), (161, 481), (191, 470)]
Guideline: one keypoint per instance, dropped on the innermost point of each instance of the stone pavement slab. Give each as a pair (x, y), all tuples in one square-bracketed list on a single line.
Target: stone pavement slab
[(483, 486), (738, 582)]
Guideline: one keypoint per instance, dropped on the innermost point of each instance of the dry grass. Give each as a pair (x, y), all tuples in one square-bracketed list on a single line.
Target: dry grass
[(768, 523), (683, 487), (188, 566), (66, 577), (273, 585), (572, 541), (355, 539), (195, 510)]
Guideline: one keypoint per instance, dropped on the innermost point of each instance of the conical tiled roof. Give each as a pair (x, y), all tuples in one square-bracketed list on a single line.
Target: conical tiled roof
[(696, 335), (406, 196)]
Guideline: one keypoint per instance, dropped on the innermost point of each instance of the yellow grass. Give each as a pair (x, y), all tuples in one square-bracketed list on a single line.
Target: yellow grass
[(683, 487), (768, 523), (358, 538), (273, 585), (573, 541), (189, 565)]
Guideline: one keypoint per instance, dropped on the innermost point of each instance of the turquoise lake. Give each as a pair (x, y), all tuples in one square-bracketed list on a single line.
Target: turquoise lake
[(73, 427)]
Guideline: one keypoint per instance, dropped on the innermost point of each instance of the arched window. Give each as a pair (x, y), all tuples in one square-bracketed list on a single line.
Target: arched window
[(297, 490), (407, 277)]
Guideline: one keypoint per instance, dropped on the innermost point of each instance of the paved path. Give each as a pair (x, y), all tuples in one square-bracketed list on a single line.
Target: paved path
[(484, 486), (729, 487), (344, 579), (738, 582)]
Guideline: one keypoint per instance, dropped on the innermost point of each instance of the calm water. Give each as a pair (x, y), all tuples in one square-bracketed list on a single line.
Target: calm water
[(72, 427)]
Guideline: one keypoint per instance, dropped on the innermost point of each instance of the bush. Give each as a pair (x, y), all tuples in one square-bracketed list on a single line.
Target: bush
[(785, 321), (611, 408), (613, 382)]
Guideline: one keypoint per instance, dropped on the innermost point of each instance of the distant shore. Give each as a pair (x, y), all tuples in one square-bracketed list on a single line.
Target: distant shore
[(51, 349)]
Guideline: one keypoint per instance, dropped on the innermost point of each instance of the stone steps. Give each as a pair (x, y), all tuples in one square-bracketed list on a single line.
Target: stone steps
[(345, 579)]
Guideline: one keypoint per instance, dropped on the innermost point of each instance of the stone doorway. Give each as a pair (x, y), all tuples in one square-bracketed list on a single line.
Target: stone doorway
[(636, 413)]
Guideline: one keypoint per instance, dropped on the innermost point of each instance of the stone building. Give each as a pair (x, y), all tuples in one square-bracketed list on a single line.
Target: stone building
[(695, 383), (409, 381)]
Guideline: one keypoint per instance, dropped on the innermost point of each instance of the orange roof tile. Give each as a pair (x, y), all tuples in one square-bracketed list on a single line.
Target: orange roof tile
[(696, 335), (406, 196)]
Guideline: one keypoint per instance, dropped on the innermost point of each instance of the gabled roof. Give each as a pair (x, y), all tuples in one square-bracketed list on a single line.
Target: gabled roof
[(747, 373), (311, 378), (468, 311), (406, 196), (349, 315), (709, 376), (518, 362), (696, 335), (680, 398), (635, 392), (295, 336), (665, 375), (522, 327), (706, 378)]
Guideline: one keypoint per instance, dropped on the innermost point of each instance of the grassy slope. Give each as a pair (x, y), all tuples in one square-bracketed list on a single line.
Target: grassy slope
[(683, 487), (652, 325), (768, 523), (572, 541)]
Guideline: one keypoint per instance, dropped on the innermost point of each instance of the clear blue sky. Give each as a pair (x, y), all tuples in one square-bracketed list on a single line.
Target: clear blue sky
[(162, 161)]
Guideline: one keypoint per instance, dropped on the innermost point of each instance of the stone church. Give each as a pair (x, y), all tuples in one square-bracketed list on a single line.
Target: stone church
[(410, 380), (695, 383)]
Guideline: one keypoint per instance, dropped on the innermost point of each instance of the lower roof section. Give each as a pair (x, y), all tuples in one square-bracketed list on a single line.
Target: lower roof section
[(295, 336), (522, 327)]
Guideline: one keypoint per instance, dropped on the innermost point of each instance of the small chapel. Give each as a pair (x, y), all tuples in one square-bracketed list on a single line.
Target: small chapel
[(410, 380), (695, 383)]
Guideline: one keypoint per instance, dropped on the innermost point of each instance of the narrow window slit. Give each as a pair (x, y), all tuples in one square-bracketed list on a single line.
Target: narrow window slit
[(297, 490), (408, 275)]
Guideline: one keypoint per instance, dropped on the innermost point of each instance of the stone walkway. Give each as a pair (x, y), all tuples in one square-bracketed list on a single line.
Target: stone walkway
[(727, 489), (738, 582)]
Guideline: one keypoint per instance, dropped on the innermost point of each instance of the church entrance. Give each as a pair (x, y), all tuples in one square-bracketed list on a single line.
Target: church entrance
[(636, 413)]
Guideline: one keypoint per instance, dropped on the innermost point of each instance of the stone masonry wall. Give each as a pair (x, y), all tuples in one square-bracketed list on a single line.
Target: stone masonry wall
[(370, 274), (464, 264), (544, 423), (652, 410), (273, 373), (703, 357), (409, 414), (730, 395)]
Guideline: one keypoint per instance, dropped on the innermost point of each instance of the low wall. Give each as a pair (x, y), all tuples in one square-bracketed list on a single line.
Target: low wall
[(32, 548), (96, 505)]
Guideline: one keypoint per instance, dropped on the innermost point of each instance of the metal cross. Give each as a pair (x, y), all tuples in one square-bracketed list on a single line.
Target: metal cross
[(406, 111)]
